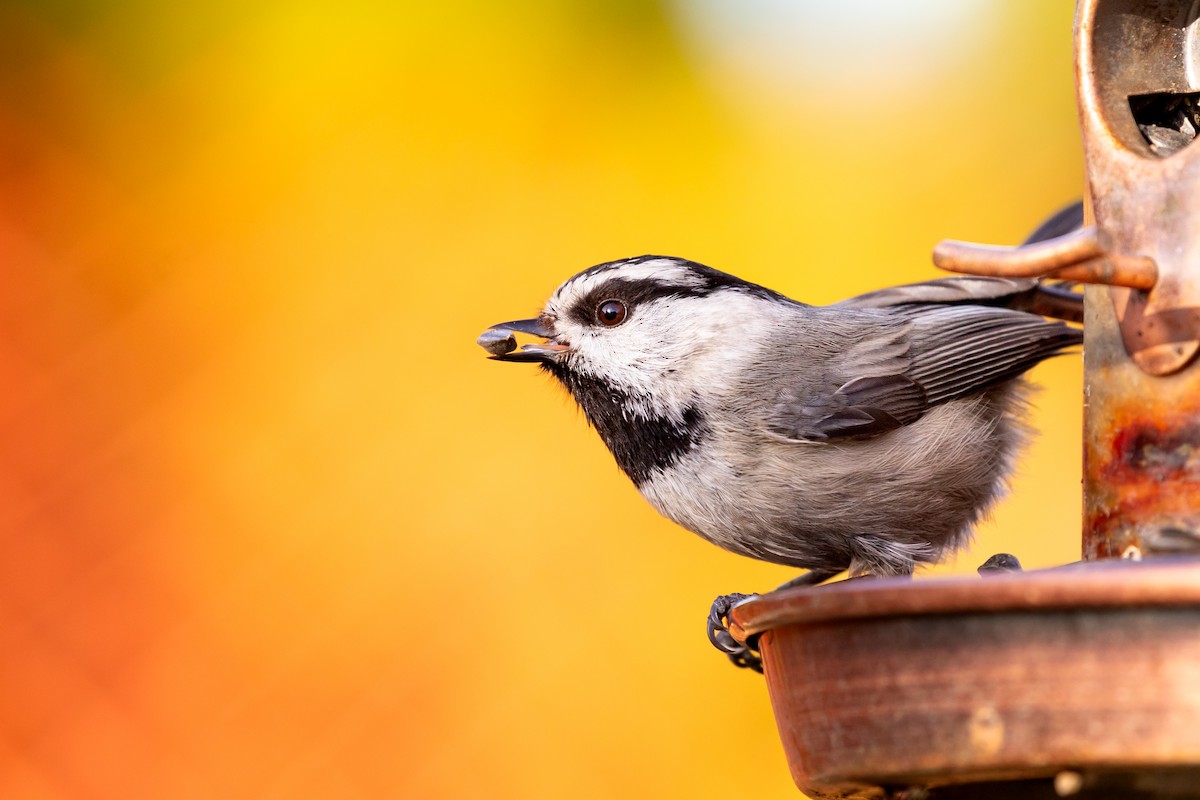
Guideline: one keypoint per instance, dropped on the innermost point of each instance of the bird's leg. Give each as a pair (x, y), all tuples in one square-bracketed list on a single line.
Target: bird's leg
[(999, 564), (811, 578)]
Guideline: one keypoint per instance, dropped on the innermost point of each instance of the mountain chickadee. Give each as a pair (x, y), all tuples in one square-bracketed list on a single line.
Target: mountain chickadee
[(868, 435)]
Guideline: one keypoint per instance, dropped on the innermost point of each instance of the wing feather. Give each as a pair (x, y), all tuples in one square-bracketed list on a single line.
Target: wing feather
[(899, 362), (959, 350)]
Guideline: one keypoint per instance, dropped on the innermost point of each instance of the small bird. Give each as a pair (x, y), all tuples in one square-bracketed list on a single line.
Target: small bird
[(865, 436)]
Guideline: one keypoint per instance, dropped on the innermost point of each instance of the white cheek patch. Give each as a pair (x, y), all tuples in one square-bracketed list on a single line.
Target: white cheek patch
[(665, 350)]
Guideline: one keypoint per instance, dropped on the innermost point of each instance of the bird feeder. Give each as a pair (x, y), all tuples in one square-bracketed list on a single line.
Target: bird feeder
[(1081, 680)]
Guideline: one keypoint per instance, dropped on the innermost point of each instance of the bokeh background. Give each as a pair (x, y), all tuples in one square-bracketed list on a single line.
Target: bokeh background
[(273, 527)]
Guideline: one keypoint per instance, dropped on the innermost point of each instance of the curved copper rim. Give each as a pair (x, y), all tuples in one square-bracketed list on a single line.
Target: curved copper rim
[(1089, 585)]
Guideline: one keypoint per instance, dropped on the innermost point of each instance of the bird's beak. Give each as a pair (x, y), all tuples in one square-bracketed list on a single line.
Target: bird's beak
[(501, 341)]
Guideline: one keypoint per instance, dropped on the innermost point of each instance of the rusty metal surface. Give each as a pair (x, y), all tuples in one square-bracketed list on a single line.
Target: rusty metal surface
[(1141, 466), (1144, 203), (1142, 401), (889, 683)]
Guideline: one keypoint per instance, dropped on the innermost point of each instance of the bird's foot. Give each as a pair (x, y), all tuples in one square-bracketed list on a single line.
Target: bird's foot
[(742, 655), (746, 655), (999, 564)]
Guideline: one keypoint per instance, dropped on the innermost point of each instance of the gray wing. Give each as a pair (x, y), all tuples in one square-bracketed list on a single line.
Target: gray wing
[(858, 409), (960, 350), (845, 376), (941, 339), (898, 364)]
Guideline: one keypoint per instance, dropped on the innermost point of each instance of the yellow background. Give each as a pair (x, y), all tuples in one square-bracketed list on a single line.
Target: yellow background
[(272, 525)]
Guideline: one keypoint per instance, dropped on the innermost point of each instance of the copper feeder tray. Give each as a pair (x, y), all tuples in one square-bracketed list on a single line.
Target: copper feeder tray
[(1092, 669)]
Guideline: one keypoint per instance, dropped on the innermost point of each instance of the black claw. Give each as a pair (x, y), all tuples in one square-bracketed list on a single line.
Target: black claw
[(999, 564), (746, 655), (718, 633)]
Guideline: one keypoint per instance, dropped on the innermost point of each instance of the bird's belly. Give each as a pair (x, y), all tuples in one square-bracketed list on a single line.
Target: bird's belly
[(918, 489)]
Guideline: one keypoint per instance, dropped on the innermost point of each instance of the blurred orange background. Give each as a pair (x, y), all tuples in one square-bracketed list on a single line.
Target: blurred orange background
[(273, 526)]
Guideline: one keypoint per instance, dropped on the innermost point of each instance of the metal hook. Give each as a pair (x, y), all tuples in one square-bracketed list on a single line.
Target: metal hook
[(1081, 256)]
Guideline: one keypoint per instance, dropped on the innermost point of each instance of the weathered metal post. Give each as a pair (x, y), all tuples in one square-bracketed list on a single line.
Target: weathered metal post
[(1138, 68), (1082, 680)]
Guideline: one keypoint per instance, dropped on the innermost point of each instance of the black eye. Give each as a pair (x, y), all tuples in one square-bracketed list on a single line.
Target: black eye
[(611, 312)]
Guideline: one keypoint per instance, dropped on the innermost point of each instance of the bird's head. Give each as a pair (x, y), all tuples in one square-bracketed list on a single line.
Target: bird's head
[(649, 330)]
